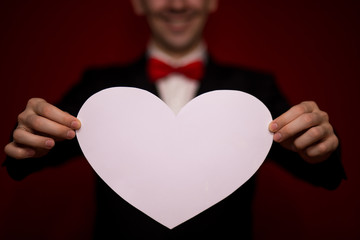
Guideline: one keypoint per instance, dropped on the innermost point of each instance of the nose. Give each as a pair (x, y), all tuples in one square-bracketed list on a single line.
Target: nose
[(177, 5)]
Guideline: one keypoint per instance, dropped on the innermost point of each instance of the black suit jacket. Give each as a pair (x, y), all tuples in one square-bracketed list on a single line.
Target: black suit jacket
[(231, 218)]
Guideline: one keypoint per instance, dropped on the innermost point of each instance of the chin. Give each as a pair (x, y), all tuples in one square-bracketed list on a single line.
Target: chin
[(181, 43)]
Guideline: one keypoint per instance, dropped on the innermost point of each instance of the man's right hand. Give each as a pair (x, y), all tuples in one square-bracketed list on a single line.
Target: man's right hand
[(40, 125)]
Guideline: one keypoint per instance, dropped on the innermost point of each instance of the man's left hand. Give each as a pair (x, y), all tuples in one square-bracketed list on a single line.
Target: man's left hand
[(305, 129)]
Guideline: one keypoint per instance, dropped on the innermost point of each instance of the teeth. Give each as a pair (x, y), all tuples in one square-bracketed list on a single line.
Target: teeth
[(177, 22)]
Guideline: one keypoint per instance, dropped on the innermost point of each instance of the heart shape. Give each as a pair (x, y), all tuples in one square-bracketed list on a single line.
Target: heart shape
[(173, 167)]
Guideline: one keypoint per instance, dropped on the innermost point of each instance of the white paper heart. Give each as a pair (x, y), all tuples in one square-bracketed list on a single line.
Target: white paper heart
[(173, 167)]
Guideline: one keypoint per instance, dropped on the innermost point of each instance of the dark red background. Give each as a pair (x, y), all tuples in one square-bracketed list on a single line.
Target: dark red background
[(311, 46)]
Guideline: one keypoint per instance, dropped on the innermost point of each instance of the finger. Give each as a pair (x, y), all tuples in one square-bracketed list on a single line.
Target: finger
[(49, 127), (313, 135), (292, 114), (324, 147), (28, 139), (15, 151), (298, 125), (49, 111)]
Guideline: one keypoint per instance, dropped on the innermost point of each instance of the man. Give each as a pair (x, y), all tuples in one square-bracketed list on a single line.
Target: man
[(306, 144)]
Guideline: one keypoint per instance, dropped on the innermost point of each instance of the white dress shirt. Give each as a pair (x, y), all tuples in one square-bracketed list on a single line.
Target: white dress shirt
[(176, 89)]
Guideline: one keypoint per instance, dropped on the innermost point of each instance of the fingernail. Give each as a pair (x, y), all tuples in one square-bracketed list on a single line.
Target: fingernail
[(30, 153), (70, 134), (75, 124), (277, 137), (273, 126), (49, 143)]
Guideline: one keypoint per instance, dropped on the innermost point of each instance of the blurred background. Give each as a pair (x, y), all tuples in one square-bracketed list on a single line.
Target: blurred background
[(312, 47)]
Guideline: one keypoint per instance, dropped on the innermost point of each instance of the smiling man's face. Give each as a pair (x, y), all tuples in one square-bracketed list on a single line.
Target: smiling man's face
[(176, 25)]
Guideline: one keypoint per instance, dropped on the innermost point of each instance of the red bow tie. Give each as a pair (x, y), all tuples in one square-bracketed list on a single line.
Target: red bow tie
[(158, 69)]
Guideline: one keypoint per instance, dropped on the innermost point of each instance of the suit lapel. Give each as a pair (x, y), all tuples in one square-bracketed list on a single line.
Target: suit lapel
[(141, 79), (210, 80)]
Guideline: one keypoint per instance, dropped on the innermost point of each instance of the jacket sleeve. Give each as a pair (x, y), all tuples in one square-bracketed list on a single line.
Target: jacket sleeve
[(327, 174)]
